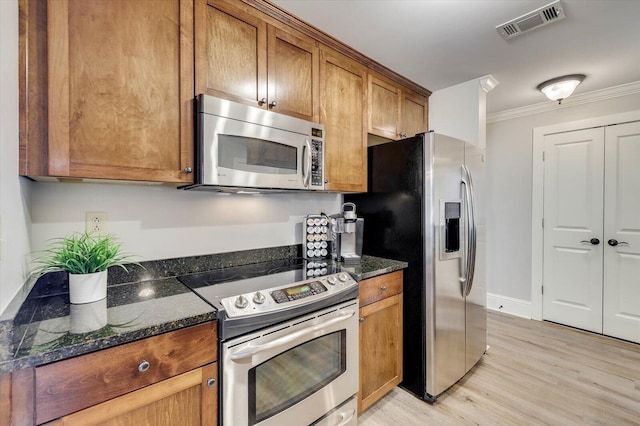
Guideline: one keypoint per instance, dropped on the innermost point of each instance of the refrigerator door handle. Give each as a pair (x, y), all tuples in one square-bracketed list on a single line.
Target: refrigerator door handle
[(471, 229)]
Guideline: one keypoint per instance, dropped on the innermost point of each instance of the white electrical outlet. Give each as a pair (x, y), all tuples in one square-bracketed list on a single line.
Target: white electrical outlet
[(97, 223)]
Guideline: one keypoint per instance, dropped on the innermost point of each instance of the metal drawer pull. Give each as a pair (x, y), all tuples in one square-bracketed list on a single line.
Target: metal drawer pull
[(383, 288), (211, 381), (361, 319), (143, 366)]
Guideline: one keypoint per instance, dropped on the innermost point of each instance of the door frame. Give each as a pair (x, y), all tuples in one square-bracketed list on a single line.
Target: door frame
[(537, 193)]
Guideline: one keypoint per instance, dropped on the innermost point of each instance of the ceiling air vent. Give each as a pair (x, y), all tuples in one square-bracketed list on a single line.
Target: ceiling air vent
[(538, 18)]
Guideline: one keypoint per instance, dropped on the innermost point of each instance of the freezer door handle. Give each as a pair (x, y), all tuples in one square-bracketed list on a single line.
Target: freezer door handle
[(470, 257)]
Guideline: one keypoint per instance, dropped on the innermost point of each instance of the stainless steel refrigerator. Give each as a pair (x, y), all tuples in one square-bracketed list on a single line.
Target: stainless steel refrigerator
[(423, 207)]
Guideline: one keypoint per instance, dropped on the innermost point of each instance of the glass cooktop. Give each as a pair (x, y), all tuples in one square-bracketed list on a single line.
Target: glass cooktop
[(228, 282)]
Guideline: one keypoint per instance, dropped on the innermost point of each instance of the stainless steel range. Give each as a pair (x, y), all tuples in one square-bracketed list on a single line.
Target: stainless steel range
[(288, 334)]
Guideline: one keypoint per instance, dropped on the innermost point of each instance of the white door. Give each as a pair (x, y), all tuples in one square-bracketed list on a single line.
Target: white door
[(622, 224), (573, 234)]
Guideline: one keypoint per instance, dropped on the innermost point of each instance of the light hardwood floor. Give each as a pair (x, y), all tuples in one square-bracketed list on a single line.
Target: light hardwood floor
[(535, 373)]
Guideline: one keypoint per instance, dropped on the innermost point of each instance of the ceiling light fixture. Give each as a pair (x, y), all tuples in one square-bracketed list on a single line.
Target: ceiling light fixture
[(560, 88)]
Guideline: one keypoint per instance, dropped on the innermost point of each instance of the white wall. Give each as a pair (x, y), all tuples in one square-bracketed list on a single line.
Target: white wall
[(509, 178), (157, 222), (153, 222), (14, 191)]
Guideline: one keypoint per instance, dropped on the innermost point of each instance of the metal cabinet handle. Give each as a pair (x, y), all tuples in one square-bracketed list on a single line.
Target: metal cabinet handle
[(361, 319), (210, 382), (614, 243), (262, 101), (143, 366), (593, 241), (273, 104), (383, 288), (188, 170)]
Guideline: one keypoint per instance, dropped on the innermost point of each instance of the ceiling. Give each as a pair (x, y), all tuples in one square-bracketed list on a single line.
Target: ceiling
[(440, 43)]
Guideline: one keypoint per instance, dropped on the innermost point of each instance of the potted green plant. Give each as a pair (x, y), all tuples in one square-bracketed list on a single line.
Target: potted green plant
[(87, 258)]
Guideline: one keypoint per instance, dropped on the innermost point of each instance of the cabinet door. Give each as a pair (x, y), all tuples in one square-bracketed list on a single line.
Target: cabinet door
[(343, 112), (380, 349), (384, 107), (241, 55), (120, 89), (189, 399), (231, 53), (293, 61), (413, 114)]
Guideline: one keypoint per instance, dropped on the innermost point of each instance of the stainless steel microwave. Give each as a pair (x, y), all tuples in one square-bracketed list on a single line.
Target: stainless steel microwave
[(244, 148)]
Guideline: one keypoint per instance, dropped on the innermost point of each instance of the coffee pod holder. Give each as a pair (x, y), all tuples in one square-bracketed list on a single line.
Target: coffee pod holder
[(316, 236)]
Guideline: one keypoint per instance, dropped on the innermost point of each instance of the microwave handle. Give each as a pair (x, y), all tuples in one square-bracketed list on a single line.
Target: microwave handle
[(306, 156)]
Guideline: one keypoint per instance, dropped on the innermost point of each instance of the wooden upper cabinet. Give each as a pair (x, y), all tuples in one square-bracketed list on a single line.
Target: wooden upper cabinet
[(395, 112), (414, 113), (120, 90), (343, 112), (245, 56), (384, 107)]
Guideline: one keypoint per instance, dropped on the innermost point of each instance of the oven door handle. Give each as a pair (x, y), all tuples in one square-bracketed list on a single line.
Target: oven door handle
[(250, 350)]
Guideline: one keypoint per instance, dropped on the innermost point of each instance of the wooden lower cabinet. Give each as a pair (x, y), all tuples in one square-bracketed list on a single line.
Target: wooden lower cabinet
[(188, 399), (166, 379), (380, 337)]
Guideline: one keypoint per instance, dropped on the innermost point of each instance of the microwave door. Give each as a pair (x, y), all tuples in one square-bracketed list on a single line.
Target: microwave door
[(240, 154)]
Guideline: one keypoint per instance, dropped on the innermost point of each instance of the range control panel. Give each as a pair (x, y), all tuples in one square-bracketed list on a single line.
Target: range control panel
[(287, 296)]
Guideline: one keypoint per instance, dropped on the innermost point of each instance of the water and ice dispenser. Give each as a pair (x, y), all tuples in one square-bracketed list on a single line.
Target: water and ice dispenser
[(450, 229)]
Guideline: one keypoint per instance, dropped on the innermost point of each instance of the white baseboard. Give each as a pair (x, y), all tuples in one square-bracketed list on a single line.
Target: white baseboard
[(509, 305)]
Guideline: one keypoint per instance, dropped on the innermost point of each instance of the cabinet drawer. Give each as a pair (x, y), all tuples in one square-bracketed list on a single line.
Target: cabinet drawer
[(380, 287), (73, 384)]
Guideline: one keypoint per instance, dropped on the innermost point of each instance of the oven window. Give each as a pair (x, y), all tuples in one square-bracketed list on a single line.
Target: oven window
[(291, 376), (256, 155)]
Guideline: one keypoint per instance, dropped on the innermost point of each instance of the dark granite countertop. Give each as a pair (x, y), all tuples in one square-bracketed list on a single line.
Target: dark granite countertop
[(371, 266), (41, 326), (48, 328)]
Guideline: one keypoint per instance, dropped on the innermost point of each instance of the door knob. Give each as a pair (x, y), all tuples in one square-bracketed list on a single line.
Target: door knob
[(593, 241), (614, 243)]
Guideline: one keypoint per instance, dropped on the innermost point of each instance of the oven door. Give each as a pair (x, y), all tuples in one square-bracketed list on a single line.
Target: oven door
[(292, 373), (236, 153)]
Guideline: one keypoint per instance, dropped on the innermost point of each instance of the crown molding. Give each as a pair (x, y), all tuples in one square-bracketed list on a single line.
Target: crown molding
[(581, 99)]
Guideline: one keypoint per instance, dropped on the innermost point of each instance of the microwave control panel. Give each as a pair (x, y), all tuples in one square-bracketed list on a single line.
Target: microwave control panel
[(316, 163)]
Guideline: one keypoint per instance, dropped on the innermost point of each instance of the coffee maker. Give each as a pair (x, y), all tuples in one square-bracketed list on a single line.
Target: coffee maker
[(346, 235)]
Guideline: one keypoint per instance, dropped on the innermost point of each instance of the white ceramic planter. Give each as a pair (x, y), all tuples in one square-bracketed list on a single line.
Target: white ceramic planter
[(88, 317), (87, 288)]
